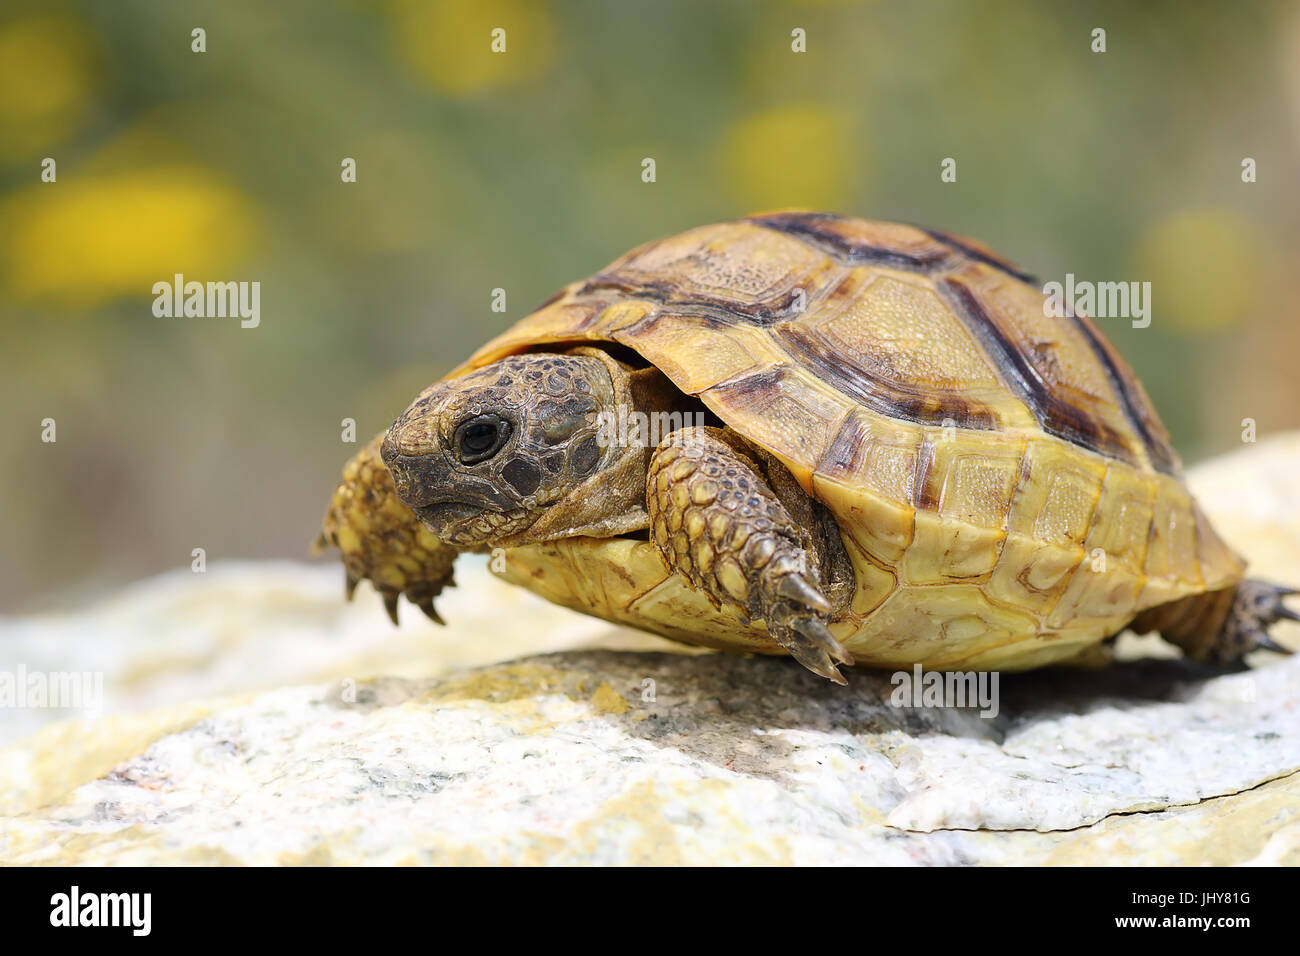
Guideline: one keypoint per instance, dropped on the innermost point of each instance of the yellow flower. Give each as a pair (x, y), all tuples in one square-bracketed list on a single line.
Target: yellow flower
[(81, 242)]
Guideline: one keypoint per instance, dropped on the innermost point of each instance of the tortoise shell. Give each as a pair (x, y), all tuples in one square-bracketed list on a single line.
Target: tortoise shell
[(1004, 488)]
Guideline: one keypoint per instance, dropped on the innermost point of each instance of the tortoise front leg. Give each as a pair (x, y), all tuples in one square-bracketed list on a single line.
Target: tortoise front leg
[(715, 519), (380, 538)]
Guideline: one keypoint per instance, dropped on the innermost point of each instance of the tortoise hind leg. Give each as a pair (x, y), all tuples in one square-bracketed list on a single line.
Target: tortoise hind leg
[(717, 519), (1256, 605), (1221, 627)]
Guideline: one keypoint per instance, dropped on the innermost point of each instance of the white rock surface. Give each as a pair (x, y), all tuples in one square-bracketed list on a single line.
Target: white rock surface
[(239, 627), (414, 746)]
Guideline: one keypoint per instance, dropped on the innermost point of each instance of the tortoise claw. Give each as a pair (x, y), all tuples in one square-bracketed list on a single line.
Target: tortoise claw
[(431, 612), (350, 584), (794, 588), (819, 634), (796, 619), (1266, 643), (834, 676), (390, 605), (818, 662)]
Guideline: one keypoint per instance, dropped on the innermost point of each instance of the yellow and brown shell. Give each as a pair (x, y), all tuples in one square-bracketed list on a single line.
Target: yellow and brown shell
[(1005, 489)]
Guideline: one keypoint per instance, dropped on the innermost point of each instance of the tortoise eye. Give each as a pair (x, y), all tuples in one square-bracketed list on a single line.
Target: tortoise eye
[(479, 438)]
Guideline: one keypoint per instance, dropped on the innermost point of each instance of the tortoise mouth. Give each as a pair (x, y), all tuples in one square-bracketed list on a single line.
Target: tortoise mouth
[(465, 526)]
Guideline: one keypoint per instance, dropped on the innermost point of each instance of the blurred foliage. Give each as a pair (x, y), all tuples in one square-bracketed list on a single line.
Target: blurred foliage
[(521, 170)]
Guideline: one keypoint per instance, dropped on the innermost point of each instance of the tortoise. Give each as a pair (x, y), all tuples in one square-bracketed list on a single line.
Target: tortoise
[(877, 447)]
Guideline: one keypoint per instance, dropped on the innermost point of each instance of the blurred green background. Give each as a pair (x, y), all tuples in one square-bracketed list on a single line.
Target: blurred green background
[(523, 171)]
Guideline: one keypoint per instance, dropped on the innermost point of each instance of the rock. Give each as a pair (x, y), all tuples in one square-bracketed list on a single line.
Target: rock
[(242, 627), (600, 745)]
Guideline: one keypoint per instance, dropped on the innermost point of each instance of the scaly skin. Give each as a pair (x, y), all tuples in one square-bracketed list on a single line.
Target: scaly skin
[(380, 538), (717, 521), (1221, 627)]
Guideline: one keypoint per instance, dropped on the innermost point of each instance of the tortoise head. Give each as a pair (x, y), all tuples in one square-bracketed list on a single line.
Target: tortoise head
[(511, 453)]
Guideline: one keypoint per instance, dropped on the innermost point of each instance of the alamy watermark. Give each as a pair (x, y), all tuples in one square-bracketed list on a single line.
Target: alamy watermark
[(132, 911), (918, 688), (622, 428), (208, 300), (67, 690), (1099, 300)]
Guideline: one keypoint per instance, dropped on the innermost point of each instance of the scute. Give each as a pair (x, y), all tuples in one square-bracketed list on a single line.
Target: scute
[(732, 271), (889, 342), (1005, 491), (1049, 365), (854, 242)]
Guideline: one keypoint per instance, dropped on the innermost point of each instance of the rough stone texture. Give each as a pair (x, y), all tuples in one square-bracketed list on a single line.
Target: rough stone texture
[(242, 627), (596, 744)]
